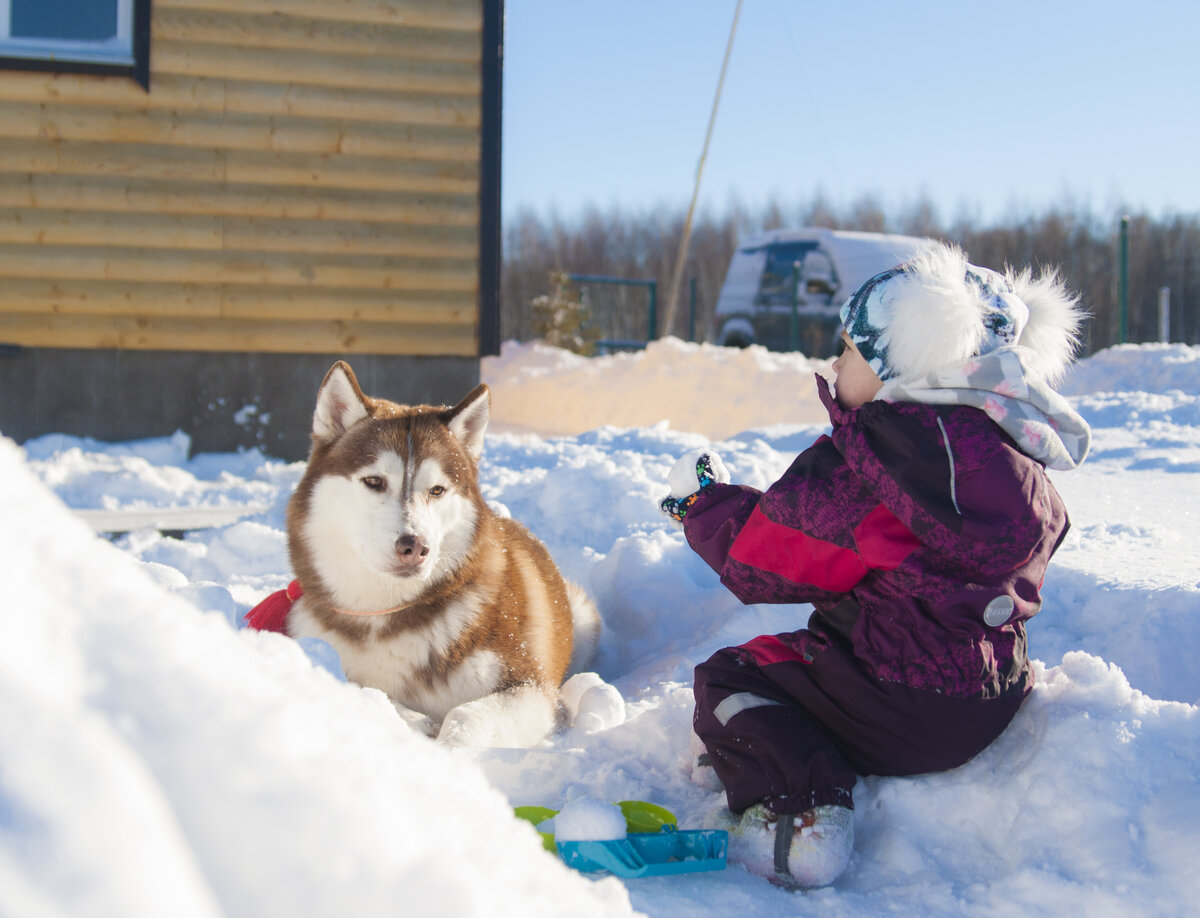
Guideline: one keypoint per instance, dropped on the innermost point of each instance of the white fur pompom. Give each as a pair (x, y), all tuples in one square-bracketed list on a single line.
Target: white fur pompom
[(1055, 317), (683, 480), (935, 319)]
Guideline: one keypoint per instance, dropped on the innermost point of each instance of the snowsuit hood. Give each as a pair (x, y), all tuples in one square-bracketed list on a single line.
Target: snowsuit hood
[(1041, 422)]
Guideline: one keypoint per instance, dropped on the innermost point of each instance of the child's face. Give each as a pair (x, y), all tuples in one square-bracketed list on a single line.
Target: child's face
[(855, 383)]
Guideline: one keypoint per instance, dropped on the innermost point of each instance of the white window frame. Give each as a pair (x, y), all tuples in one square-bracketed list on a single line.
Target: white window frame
[(117, 51)]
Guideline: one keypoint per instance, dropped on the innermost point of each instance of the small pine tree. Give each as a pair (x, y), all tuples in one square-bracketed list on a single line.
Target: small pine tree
[(560, 318)]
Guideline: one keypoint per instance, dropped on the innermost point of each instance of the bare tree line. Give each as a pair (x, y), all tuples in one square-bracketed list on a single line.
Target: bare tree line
[(1163, 252)]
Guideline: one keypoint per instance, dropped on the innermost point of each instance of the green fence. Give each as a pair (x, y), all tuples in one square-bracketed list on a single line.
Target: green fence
[(623, 311)]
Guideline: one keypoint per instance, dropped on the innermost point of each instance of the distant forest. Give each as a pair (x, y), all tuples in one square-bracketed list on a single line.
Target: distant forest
[(1163, 252)]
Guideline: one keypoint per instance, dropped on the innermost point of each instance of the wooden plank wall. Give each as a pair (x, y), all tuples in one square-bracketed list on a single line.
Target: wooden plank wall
[(302, 177)]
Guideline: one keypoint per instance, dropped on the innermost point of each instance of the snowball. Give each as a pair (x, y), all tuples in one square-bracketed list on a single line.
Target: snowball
[(574, 688), (589, 819), (594, 705), (605, 703), (683, 480)]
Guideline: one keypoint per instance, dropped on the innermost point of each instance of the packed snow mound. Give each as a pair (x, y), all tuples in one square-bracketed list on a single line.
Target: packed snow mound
[(1153, 368), (714, 391)]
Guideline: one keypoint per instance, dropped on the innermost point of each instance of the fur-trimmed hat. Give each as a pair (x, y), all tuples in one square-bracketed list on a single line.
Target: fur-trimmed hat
[(937, 311)]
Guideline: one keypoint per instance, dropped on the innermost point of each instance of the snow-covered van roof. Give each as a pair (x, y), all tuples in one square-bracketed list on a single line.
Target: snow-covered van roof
[(856, 257)]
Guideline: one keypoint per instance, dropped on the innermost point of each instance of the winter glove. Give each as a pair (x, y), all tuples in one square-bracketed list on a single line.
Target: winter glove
[(694, 473)]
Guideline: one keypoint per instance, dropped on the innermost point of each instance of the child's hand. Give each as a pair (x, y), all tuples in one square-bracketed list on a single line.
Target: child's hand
[(695, 472)]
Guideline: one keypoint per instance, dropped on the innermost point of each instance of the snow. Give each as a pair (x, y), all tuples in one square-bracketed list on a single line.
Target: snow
[(588, 819), (154, 759), (592, 703)]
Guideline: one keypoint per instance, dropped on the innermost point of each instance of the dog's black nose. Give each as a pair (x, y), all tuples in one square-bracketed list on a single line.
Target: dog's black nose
[(411, 549)]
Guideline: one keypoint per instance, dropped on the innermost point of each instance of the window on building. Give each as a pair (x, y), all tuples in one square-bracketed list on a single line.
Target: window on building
[(99, 36)]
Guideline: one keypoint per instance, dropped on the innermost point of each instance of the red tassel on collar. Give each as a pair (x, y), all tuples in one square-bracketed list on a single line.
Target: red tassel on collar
[(271, 613)]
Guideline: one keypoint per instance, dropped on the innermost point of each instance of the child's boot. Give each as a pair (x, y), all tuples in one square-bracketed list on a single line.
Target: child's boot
[(806, 850)]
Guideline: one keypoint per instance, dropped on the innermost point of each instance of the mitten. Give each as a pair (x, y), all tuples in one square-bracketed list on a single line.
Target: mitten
[(694, 473)]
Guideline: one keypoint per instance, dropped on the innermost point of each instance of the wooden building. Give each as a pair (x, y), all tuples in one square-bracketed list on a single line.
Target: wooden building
[(193, 227)]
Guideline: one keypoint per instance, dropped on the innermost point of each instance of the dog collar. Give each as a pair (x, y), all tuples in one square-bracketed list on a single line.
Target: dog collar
[(366, 614)]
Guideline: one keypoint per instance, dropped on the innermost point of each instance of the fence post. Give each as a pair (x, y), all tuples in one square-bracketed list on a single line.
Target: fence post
[(794, 323), (650, 285), (1164, 315), (652, 322), (1123, 283)]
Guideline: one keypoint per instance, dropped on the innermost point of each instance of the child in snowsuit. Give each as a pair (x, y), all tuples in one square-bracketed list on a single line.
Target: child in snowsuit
[(920, 531)]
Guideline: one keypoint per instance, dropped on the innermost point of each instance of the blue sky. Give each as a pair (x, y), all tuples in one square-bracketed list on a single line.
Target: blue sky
[(988, 109)]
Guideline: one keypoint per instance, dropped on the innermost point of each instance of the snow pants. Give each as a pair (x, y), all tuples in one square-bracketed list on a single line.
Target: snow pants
[(793, 730)]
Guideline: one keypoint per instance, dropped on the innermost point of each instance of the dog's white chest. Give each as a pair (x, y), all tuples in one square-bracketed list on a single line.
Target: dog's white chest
[(409, 666)]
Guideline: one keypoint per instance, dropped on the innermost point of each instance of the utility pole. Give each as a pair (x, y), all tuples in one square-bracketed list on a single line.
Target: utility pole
[(681, 259)]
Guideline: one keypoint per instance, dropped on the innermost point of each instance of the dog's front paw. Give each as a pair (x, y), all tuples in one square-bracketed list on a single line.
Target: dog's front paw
[(467, 725), (516, 718)]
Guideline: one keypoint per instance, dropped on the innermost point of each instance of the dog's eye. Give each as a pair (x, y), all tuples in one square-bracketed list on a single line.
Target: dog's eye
[(437, 491), (375, 483)]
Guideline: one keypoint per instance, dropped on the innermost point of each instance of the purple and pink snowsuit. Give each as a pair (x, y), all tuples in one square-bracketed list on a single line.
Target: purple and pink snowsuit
[(920, 533)]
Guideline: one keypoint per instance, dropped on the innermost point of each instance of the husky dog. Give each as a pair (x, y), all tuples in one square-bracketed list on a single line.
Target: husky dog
[(458, 615)]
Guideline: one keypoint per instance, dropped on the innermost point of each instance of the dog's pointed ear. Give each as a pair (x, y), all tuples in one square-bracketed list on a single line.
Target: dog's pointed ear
[(340, 404), (468, 420)]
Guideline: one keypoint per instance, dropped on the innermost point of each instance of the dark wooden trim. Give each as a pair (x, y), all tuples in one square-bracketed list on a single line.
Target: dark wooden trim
[(491, 98), (60, 66), (141, 43)]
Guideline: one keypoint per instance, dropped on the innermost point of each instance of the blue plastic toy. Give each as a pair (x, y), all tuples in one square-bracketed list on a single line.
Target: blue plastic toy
[(658, 849), (645, 854)]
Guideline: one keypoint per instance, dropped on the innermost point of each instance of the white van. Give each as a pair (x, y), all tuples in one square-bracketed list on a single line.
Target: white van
[(784, 288)]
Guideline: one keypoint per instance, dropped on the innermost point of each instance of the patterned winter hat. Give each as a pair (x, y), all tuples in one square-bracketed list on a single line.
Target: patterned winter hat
[(937, 310)]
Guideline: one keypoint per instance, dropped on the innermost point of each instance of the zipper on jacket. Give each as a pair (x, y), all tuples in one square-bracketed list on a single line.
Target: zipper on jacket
[(950, 457)]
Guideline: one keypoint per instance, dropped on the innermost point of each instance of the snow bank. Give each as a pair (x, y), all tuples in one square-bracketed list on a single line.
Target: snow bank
[(714, 391), (1136, 368)]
